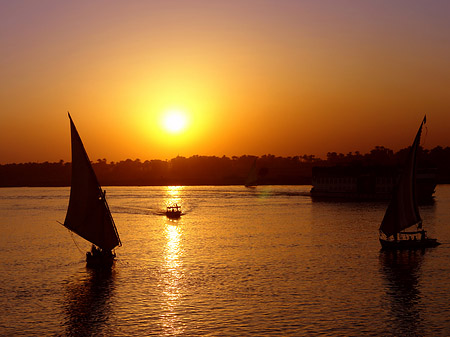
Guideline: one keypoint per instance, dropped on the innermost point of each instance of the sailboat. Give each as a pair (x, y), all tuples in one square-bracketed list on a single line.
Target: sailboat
[(403, 212), (88, 214), (252, 177)]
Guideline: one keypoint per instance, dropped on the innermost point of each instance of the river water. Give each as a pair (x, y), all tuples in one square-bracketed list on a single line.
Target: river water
[(267, 261)]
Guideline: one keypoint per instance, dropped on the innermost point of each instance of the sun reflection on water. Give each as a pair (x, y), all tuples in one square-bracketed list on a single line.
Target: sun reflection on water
[(173, 195), (172, 275), (172, 271)]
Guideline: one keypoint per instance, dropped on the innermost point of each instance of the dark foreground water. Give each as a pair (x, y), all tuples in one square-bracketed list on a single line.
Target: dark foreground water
[(241, 262)]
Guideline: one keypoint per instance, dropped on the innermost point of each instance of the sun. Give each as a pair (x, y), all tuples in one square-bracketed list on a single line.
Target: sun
[(174, 121)]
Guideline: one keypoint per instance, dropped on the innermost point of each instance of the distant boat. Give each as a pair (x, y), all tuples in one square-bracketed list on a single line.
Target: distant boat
[(403, 212), (252, 177), (88, 214), (368, 182), (173, 212)]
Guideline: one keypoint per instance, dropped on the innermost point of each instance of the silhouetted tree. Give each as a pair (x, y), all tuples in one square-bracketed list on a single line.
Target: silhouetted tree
[(197, 169)]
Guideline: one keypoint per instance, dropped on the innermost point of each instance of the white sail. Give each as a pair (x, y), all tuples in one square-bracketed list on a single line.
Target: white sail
[(88, 213), (402, 211)]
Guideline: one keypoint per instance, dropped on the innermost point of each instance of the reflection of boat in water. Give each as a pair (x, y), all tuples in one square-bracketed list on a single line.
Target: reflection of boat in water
[(403, 211), (88, 214), (401, 271), (88, 303), (173, 212)]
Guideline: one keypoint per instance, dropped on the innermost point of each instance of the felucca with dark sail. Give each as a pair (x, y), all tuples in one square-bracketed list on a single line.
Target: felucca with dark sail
[(88, 214), (403, 212)]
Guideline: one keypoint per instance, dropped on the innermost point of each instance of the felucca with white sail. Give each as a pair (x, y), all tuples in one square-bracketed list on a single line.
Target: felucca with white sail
[(88, 214), (403, 212)]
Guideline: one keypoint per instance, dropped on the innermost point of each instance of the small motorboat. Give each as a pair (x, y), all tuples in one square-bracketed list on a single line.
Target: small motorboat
[(173, 212)]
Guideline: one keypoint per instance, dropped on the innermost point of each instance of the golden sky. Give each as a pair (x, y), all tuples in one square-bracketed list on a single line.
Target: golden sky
[(250, 77)]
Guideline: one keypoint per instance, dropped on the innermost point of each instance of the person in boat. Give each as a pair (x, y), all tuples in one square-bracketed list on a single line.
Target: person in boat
[(97, 252), (422, 235), (173, 209)]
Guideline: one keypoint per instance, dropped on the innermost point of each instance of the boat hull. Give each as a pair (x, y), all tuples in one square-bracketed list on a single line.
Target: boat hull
[(99, 261), (408, 244), (173, 215)]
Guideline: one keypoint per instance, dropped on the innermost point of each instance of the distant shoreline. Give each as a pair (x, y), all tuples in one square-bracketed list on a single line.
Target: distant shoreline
[(106, 186), (206, 185), (218, 171)]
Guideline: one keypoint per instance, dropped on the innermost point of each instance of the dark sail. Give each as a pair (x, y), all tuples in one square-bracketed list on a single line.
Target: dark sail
[(402, 211), (88, 213)]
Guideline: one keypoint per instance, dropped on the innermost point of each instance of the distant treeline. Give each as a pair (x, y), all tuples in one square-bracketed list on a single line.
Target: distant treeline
[(212, 170)]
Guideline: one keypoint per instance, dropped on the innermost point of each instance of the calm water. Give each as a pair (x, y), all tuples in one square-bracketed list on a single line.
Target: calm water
[(241, 262)]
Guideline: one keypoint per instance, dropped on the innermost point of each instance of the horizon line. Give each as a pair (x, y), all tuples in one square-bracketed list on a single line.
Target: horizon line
[(227, 156)]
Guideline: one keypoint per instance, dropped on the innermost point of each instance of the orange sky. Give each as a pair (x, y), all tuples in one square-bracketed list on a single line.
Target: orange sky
[(253, 77)]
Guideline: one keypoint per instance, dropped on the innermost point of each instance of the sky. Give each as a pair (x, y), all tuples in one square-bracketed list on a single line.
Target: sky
[(247, 77)]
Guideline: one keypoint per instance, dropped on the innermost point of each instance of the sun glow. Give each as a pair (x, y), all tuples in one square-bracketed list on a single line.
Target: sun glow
[(174, 121)]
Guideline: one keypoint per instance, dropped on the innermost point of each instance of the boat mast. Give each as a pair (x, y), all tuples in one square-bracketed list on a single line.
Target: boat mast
[(110, 217)]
